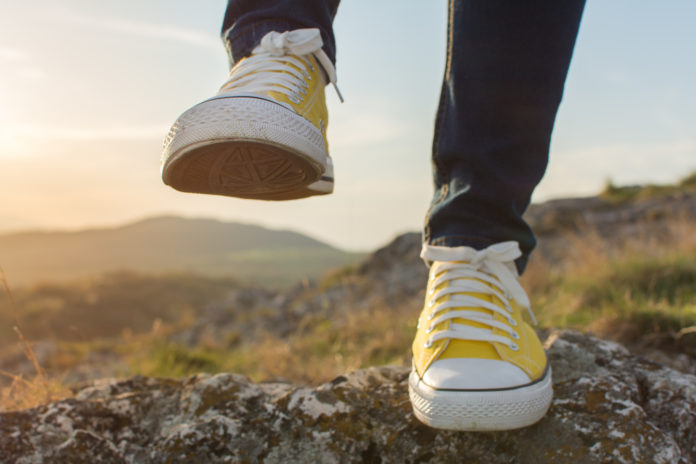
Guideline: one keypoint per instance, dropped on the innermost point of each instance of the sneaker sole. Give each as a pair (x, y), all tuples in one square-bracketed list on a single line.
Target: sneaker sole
[(245, 147), (480, 410)]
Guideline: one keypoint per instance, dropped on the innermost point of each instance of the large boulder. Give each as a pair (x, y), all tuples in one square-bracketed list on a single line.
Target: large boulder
[(609, 406)]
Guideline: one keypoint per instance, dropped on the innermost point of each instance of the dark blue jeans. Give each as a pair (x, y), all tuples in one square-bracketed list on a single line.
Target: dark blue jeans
[(507, 62)]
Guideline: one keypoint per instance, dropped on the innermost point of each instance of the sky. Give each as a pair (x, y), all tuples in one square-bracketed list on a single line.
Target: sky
[(89, 89)]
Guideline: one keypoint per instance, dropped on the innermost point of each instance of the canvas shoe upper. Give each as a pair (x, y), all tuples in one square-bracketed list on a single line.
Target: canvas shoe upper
[(264, 134), (477, 364)]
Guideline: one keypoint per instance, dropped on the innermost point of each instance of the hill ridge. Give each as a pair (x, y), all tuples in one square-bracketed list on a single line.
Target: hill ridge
[(169, 244)]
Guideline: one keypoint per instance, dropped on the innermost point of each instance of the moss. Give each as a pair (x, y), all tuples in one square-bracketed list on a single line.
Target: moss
[(172, 360), (337, 277), (614, 194), (689, 181), (211, 398)]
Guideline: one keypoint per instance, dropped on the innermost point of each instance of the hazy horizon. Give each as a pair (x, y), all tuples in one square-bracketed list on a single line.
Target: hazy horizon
[(29, 229), (90, 89)]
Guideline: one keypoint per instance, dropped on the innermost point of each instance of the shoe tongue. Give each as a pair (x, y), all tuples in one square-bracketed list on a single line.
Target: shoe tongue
[(300, 42)]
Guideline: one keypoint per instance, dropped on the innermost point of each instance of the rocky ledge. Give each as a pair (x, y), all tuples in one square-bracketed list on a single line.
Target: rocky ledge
[(609, 406)]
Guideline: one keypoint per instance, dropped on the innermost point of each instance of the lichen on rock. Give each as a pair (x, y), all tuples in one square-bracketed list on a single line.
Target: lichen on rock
[(609, 406)]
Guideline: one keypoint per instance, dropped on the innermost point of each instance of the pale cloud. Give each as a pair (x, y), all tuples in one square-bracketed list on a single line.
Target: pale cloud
[(584, 170), (364, 122), (365, 130), (30, 73), (13, 55), (19, 63), (21, 139), (86, 133), (629, 155), (142, 29), (390, 187)]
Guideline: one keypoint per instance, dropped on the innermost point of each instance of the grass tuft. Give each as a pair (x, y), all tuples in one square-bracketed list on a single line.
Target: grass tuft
[(636, 295), (22, 393), (623, 194)]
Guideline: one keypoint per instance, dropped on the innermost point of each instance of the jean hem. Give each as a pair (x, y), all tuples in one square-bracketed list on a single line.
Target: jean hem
[(240, 43)]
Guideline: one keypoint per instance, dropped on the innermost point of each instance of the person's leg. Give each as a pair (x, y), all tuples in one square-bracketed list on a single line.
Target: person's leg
[(506, 66), (247, 21), (477, 362)]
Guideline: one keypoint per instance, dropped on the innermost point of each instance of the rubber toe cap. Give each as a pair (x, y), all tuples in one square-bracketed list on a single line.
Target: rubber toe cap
[(474, 374)]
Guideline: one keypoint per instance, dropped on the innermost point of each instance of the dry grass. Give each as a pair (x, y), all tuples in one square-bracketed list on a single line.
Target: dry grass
[(318, 351), (639, 291), (26, 393), (378, 336)]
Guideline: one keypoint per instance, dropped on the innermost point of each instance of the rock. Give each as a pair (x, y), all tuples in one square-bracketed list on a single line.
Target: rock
[(609, 406), (403, 250), (392, 276), (604, 217), (661, 219)]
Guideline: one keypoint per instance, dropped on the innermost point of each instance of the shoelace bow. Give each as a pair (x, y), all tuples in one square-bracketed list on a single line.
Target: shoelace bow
[(279, 64), (466, 270)]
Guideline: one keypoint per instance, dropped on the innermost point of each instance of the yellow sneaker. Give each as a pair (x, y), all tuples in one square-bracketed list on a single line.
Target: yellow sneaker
[(263, 135), (477, 365)]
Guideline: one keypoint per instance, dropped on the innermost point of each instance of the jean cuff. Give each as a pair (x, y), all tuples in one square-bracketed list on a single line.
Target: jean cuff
[(240, 42)]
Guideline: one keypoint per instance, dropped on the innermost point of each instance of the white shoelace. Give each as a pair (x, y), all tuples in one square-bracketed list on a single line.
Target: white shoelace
[(279, 63), (466, 269)]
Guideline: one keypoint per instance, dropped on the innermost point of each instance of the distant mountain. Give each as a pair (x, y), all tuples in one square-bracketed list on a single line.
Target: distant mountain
[(169, 244)]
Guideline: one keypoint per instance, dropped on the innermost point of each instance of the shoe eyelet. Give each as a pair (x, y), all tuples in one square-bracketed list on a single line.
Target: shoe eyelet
[(428, 344), (430, 329), (431, 303), (515, 335), (418, 324), (431, 316), (514, 347), (512, 322)]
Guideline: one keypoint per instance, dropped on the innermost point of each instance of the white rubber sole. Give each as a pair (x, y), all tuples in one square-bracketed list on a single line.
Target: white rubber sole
[(480, 410), (246, 147)]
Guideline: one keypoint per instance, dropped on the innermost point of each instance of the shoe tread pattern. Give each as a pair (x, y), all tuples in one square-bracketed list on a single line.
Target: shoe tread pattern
[(243, 147), (243, 169)]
